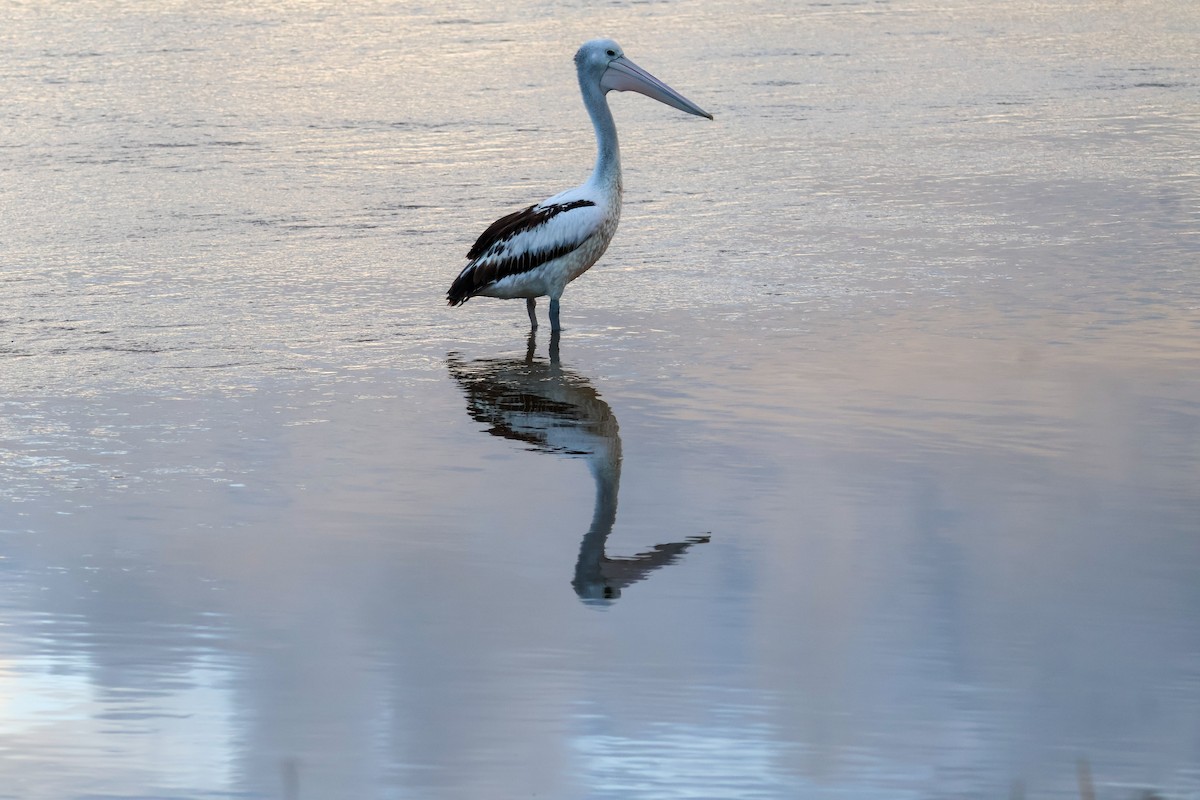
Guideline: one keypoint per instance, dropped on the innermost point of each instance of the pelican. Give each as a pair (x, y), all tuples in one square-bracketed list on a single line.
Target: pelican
[(538, 250)]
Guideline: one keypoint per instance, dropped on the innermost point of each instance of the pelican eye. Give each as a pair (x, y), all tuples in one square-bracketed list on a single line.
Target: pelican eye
[(610, 53)]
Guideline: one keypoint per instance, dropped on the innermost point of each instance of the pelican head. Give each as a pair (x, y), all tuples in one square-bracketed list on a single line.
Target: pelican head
[(603, 61)]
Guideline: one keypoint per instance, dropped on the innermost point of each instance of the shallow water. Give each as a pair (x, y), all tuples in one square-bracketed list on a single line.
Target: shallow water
[(866, 467)]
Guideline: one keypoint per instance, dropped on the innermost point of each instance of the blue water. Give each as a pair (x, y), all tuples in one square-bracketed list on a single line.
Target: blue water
[(866, 467)]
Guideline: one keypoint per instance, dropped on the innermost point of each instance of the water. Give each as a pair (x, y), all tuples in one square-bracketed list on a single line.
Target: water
[(867, 465)]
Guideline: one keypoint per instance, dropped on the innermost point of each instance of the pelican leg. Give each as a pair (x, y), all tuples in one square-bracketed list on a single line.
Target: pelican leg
[(530, 305), (554, 326)]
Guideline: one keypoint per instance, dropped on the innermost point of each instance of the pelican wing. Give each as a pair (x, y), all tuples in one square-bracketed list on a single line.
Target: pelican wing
[(524, 240)]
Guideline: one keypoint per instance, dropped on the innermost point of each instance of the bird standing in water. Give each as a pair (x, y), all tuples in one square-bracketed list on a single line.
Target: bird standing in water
[(537, 251)]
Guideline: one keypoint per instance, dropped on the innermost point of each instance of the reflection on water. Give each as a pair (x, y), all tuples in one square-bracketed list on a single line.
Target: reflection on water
[(556, 410)]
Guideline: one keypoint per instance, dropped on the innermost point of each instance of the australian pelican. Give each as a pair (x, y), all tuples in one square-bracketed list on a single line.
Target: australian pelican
[(538, 250)]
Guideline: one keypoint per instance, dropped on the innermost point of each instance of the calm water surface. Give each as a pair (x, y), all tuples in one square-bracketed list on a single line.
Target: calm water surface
[(867, 466)]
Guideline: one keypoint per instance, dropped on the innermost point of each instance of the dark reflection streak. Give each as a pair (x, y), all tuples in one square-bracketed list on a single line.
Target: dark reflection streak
[(290, 770), (556, 410)]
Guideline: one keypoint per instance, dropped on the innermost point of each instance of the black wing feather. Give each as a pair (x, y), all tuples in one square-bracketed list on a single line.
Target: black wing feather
[(477, 276)]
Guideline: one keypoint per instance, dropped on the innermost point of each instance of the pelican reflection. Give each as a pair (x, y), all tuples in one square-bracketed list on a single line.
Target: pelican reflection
[(556, 410)]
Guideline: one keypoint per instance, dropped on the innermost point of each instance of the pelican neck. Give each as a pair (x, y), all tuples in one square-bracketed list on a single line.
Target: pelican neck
[(607, 172)]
